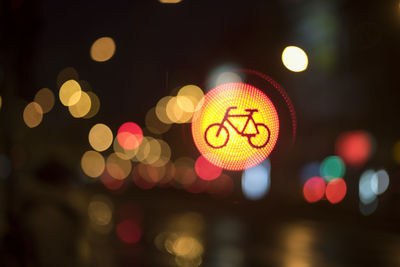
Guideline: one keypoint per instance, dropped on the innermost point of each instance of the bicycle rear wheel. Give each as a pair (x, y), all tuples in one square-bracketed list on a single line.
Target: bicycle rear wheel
[(261, 139)]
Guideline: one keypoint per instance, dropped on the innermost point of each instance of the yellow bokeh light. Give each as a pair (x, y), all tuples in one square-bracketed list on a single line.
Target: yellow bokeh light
[(155, 151), (150, 173), (45, 98), (149, 151), (153, 124), (185, 103), (159, 240), (170, 173), (181, 239), (100, 210), (143, 150), (192, 93), (92, 163), (82, 107), (123, 153), (161, 110), (184, 161), (1, 102), (294, 59), (99, 213), (165, 154), (70, 93), (175, 113), (102, 49), (94, 107), (237, 127), (169, 242), (187, 247), (396, 152), (188, 262), (118, 168), (185, 176), (100, 137), (33, 114), (185, 173)]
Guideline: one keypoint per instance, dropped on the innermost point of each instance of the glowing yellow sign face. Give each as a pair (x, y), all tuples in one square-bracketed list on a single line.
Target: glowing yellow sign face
[(237, 126)]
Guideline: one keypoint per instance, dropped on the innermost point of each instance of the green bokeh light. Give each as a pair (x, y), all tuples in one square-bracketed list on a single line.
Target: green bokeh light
[(332, 167)]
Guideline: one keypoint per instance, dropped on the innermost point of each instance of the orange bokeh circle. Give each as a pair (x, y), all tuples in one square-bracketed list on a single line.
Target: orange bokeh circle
[(236, 127)]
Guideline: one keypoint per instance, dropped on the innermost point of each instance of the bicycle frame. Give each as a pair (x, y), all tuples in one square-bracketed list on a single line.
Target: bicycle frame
[(249, 117)]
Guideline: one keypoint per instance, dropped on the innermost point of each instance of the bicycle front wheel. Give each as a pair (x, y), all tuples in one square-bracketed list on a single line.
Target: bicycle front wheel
[(261, 139), (215, 140)]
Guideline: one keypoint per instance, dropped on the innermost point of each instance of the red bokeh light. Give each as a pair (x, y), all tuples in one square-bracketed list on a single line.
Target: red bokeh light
[(197, 186), (221, 187), (129, 232), (170, 172), (140, 181), (206, 170), (130, 135), (110, 182), (336, 190), (314, 189), (354, 147), (185, 175)]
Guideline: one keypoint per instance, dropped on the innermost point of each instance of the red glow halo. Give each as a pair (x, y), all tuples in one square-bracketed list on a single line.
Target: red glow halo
[(236, 127)]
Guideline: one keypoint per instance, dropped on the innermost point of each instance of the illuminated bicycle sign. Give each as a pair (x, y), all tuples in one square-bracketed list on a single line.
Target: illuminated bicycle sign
[(218, 133), (236, 127)]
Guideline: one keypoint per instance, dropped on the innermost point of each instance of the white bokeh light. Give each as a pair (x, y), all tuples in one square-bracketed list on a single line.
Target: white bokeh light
[(295, 59)]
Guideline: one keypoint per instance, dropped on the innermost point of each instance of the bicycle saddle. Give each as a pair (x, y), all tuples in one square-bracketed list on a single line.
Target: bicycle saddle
[(251, 110)]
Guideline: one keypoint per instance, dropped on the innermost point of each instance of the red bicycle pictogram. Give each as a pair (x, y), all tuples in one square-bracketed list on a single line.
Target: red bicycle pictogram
[(217, 134)]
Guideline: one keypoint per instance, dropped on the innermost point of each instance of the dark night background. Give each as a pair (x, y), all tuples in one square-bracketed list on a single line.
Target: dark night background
[(351, 83)]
